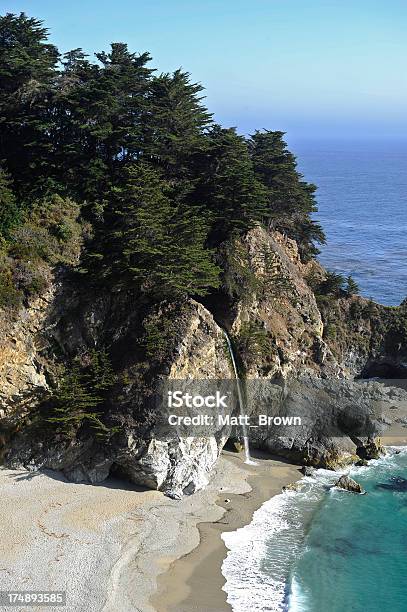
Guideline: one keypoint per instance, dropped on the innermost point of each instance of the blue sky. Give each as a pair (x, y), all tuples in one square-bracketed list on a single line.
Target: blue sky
[(314, 68)]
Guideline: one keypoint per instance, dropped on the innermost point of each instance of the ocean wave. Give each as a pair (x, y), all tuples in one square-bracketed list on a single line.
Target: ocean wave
[(261, 554), (256, 580)]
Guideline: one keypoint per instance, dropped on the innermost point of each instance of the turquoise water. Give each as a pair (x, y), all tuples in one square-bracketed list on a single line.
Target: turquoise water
[(355, 553), (362, 197), (324, 550)]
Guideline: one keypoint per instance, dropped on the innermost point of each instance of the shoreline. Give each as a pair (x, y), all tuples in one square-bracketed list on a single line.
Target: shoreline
[(194, 581), (110, 546), (117, 547)]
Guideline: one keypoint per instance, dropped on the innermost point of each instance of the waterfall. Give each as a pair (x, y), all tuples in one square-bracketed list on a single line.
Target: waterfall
[(240, 394)]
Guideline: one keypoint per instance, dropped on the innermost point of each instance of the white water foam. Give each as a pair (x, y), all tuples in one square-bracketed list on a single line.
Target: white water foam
[(256, 581), (298, 601)]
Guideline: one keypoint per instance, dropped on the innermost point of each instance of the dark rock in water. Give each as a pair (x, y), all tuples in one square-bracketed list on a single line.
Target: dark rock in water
[(307, 470), (362, 463), (348, 484), (397, 483), (372, 450)]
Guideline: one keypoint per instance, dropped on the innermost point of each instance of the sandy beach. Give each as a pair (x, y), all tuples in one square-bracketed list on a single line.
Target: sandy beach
[(106, 545), (194, 582), (115, 547)]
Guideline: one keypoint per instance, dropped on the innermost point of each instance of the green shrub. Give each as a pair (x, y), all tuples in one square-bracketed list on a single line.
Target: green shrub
[(332, 284), (79, 399), (9, 211), (330, 331), (351, 286), (10, 297), (252, 340)]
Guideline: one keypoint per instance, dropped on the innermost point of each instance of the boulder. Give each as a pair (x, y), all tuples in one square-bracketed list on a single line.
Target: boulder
[(373, 449), (348, 484), (362, 463), (292, 486)]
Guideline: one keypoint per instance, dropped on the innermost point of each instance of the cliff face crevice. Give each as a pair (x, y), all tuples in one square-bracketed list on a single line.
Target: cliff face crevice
[(23, 370), (277, 327)]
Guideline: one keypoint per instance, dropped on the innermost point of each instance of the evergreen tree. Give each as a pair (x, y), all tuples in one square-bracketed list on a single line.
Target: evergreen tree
[(80, 397), (151, 243), (228, 185), (332, 284), (174, 131), (132, 160), (351, 286), (27, 81), (9, 212), (100, 119), (291, 200)]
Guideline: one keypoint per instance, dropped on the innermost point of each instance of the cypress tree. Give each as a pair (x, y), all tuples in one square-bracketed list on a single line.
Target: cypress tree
[(9, 211), (151, 243), (235, 198), (291, 200), (27, 82)]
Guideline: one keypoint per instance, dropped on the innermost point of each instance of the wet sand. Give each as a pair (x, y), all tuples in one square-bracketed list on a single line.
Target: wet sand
[(194, 582)]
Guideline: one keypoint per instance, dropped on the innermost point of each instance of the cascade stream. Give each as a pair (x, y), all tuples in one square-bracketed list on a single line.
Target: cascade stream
[(240, 393)]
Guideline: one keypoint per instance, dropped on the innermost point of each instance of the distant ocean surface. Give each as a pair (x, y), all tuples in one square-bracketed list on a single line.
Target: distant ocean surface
[(325, 550), (362, 198)]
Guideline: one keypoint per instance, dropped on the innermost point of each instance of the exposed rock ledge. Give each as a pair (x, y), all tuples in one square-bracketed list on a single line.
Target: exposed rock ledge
[(278, 332)]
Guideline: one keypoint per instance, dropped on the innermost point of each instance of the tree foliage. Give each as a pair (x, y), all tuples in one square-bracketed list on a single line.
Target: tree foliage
[(291, 200), (351, 286), (135, 159), (153, 243), (80, 396)]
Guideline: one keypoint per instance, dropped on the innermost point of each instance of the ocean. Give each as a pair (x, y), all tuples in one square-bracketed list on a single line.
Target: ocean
[(362, 198), (325, 550)]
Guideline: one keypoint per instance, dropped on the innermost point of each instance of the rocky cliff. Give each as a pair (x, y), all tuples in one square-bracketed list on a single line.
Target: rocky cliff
[(278, 327)]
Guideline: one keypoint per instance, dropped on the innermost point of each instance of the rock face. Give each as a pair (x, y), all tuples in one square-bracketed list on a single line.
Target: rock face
[(22, 368), (348, 484), (278, 334), (278, 327), (177, 466), (339, 419)]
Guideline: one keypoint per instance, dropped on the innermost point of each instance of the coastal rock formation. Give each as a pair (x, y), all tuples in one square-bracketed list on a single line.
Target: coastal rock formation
[(292, 486), (339, 419), (176, 466), (22, 368), (348, 484), (277, 327), (290, 367)]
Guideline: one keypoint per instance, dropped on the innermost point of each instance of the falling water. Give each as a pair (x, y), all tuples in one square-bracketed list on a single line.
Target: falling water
[(248, 459)]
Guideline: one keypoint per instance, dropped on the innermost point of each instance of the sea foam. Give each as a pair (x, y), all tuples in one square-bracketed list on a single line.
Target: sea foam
[(255, 579), (261, 554)]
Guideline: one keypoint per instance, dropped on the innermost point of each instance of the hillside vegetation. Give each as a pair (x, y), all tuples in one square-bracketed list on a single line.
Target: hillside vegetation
[(120, 173)]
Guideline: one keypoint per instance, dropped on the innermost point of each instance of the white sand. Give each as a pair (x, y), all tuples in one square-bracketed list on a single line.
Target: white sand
[(104, 545)]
